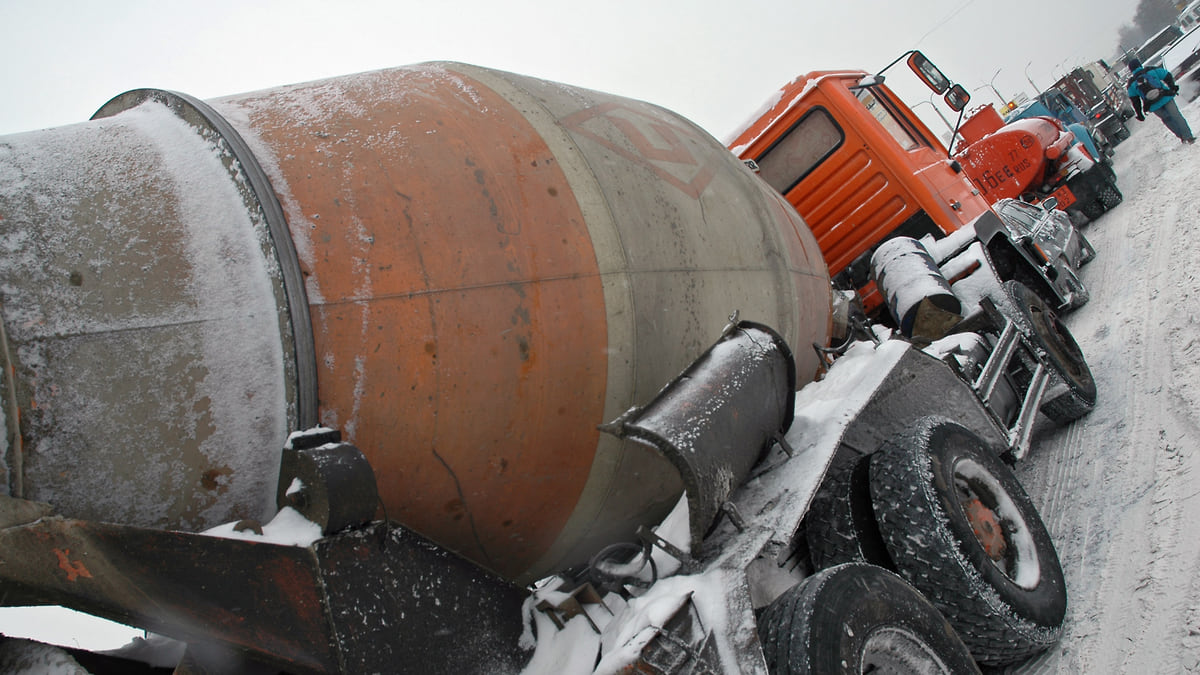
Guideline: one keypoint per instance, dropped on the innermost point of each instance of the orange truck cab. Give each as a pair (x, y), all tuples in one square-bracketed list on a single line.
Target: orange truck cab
[(862, 168)]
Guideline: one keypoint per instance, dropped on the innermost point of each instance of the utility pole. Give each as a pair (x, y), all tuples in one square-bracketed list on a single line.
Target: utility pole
[(992, 84), (1036, 89)]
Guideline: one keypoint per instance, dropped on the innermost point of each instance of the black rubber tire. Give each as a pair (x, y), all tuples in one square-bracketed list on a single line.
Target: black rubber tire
[(857, 618), (1109, 196), (840, 524), (1110, 175), (918, 480), (1078, 215), (1093, 210), (1053, 342)]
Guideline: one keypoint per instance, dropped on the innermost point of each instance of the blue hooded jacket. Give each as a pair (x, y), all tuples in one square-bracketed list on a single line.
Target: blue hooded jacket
[(1157, 78)]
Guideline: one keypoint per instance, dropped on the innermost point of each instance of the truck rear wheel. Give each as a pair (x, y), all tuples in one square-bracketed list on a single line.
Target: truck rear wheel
[(1107, 197), (841, 524), (1110, 196), (963, 532), (1054, 343), (857, 618)]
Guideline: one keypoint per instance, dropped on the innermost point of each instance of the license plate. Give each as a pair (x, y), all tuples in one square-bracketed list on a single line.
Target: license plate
[(1064, 196)]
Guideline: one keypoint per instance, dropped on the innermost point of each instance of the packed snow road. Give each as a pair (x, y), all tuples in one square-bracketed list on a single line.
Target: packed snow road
[(1119, 490)]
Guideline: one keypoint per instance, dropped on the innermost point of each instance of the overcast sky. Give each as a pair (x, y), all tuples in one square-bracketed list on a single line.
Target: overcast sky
[(714, 62)]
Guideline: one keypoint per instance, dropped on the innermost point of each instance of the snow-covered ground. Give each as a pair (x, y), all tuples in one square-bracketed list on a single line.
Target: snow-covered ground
[(1120, 489)]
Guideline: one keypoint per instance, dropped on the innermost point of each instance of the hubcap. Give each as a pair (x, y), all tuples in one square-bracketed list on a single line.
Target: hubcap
[(997, 523), (987, 528)]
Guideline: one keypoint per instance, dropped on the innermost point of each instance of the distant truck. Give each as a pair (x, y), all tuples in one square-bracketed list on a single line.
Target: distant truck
[(1053, 103), (1089, 96), (1189, 18), (862, 168), (1181, 59), (1150, 51), (1104, 77), (1034, 158)]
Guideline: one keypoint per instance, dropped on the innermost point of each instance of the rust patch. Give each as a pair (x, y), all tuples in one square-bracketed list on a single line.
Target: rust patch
[(73, 568), (211, 479)]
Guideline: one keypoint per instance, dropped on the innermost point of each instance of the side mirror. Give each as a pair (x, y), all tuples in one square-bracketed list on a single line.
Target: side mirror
[(929, 73), (957, 98)]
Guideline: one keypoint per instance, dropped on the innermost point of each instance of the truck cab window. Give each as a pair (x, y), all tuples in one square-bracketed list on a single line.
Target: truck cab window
[(881, 112), (800, 150)]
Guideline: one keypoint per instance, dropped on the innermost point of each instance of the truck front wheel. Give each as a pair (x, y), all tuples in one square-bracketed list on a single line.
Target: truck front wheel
[(1057, 347), (963, 532), (858, 618), (841, 524)]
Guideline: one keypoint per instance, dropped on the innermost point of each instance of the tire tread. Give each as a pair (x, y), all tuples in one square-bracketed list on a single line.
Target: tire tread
[(927, 554)]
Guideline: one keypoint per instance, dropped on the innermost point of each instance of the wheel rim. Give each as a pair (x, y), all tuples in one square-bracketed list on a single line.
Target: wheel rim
[(999, 525), (892, 651), (1065, 349)]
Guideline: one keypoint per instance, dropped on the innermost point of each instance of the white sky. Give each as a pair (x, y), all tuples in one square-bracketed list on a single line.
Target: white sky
[(714, 62)]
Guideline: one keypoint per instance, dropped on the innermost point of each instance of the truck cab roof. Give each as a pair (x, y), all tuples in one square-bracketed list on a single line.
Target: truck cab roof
[(857, 164)]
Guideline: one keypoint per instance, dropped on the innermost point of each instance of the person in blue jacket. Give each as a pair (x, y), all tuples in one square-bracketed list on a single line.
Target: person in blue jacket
[(1154, 90)]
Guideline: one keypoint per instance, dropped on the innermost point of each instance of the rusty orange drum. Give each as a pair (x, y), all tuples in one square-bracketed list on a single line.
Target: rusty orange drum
[(465, 270)]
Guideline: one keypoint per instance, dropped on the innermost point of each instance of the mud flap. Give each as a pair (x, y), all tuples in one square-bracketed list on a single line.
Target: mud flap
[(374, 599), (716, 419)]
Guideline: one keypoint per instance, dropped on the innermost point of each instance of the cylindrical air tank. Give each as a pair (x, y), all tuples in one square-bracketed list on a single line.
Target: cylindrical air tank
[(464, 270), (1014, 158)]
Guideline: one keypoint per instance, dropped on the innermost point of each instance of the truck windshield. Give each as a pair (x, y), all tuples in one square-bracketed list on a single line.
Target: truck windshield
[(800, 150), (881, 112)]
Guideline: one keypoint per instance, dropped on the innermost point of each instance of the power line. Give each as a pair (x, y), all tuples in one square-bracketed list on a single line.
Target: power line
[(944, 21)]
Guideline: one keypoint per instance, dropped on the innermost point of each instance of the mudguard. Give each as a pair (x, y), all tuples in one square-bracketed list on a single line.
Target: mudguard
[(1016, 258), (716, 418)]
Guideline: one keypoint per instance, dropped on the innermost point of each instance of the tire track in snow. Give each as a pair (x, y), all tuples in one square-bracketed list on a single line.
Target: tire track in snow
[(1120, 575), (1133, 578), (1170, 601), (1120, 489), (1066, 461)]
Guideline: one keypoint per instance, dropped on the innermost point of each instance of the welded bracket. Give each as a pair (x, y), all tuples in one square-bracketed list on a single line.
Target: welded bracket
[(329, 482)]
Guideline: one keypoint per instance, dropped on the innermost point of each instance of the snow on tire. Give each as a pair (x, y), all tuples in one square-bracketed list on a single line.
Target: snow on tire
[(858, 618), (962, 531), (840, 525)]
